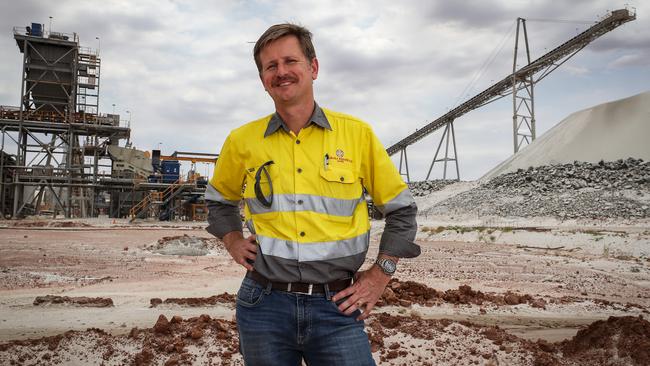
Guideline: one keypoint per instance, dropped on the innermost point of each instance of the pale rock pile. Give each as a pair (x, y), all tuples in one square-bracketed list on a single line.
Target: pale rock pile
[(426, 187), (619, 189)]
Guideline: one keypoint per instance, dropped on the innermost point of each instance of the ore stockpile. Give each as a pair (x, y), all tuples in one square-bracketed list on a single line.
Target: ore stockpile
[(619, 189)]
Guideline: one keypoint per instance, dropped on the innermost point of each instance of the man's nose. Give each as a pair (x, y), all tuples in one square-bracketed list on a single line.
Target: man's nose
[(282, 69)]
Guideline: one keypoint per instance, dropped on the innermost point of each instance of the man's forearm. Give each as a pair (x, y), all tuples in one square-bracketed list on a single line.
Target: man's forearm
[(232, 237)]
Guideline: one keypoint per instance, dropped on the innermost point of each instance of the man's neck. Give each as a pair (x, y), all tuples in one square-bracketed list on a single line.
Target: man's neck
[(296, 116)]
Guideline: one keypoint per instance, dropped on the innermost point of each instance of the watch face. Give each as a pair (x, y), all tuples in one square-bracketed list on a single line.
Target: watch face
[(390, 266), (387, 265)]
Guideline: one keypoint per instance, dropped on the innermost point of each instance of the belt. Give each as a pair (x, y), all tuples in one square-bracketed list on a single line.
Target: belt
[(301, 287)]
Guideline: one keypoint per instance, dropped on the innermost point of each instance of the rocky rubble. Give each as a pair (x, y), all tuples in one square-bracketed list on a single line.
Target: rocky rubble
[(185, 245), (95, 302), (406, 293), (619, 189), (224, 298), (394, 339), (426, 187)]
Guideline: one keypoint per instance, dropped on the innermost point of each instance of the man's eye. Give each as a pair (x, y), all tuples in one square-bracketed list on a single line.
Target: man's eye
[(271, 67)]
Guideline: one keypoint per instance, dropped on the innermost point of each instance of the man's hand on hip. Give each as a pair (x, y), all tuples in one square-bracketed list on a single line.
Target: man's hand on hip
[(364, 293), (242, 250)]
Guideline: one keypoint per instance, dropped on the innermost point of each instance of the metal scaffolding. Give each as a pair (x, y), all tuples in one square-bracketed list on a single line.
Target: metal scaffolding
[(59, 136), (68, 159)]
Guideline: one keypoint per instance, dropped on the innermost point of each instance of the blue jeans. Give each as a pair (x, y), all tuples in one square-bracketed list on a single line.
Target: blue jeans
[(282, 328)]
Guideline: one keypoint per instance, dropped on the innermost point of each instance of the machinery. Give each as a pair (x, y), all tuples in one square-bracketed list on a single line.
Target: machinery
[(172, 196), (68, 159), (61, 164), (519, 84)]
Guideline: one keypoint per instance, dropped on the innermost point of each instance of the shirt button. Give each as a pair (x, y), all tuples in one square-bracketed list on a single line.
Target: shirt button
[(302, 233), (299, 170), (342, 179), (300, 202), (297, 142)]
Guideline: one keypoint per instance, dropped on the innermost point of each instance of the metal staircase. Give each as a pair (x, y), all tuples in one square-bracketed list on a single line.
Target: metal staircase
[(154, 200)]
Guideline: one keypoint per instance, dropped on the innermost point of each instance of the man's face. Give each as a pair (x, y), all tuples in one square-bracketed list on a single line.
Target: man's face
[(286, 73)]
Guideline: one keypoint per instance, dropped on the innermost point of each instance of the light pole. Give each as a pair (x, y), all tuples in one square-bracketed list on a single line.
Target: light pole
[(99, 44), (129, 122), (113, 108), (50, 31)]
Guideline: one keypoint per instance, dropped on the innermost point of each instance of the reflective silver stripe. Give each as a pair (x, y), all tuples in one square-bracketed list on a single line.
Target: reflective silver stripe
[(403, 199), (250, 226), (305, 252), (212, 194), (305, 202)]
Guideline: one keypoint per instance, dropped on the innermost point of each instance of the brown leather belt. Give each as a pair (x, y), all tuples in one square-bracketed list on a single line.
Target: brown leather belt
[(301, 287)]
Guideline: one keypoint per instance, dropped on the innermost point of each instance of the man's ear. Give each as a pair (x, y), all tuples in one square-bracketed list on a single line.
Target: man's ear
[(314, 68)]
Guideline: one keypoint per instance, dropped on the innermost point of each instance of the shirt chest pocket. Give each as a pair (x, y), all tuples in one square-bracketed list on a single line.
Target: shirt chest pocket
[(341, 190), (340, 176)]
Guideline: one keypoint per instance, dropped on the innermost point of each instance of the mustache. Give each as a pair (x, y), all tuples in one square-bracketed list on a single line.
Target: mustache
[(281, 80)]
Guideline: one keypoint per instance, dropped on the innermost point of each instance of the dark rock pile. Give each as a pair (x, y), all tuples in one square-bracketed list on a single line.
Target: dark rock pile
[(618, 189), (426, 187)]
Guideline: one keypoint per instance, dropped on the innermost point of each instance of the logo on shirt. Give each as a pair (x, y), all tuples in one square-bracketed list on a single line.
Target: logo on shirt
[(340, 157)]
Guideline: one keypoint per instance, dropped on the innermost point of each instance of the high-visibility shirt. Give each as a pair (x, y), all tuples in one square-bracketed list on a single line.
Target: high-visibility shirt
[(317, 227)]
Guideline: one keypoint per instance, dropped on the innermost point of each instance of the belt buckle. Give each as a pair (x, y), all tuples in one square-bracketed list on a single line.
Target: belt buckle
[(309, 289)]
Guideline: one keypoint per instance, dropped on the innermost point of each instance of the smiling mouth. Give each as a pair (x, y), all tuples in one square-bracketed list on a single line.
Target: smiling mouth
[(284, 82)]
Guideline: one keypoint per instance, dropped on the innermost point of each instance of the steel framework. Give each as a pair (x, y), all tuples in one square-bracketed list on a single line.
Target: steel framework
[(520, 83), (59, 136), (523, 102)]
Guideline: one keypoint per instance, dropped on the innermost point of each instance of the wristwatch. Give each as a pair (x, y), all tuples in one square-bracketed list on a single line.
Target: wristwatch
[(387, 265)]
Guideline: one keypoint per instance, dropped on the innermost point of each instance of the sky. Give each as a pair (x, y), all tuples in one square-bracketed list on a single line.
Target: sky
[(185, 71)]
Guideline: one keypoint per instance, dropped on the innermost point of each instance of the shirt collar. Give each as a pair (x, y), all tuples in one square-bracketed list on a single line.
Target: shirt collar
[(317, 117)]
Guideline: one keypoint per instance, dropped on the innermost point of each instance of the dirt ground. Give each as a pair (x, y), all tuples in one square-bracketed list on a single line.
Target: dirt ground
[(103, 292)]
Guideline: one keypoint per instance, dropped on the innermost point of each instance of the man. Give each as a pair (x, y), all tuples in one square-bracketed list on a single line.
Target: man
[(302, 172)]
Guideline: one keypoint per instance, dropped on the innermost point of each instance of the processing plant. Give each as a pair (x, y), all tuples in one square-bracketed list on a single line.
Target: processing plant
[(68, 159)]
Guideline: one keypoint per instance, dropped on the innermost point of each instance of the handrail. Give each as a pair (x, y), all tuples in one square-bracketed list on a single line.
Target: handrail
[(13, 113), (61, 36), (154, 197)]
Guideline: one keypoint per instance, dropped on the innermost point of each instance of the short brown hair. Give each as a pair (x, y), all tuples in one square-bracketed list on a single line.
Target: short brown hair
[(278, 31)]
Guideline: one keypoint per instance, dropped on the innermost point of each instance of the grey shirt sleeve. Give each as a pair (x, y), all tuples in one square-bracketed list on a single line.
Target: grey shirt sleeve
[(399, 233), (223, 218)]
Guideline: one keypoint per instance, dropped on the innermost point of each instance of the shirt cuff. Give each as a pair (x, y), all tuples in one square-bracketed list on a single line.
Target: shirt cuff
[(222, 219), (399, 233), (397, 246)]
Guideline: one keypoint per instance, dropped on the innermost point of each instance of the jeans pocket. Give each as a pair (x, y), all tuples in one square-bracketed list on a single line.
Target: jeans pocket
[(335, 307), (250, 293)]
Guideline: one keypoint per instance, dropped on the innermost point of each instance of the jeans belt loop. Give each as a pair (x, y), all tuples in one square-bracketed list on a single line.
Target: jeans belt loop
[(326, 288)]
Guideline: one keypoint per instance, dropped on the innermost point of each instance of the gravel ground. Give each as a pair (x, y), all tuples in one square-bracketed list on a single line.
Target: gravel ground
[(465, 301)]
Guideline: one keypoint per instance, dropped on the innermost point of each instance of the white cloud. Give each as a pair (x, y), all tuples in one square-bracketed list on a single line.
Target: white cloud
[(633, 60), (185, 69)]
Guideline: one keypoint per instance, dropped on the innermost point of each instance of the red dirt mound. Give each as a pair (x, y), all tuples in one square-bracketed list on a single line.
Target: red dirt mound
[(615, 341), (405, 293), (169, 342), (69, 224), (94, 302), (224, 298)]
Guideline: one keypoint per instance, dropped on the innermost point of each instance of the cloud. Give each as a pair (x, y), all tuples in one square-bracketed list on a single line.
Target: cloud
[(630, 60), (185, 69)]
